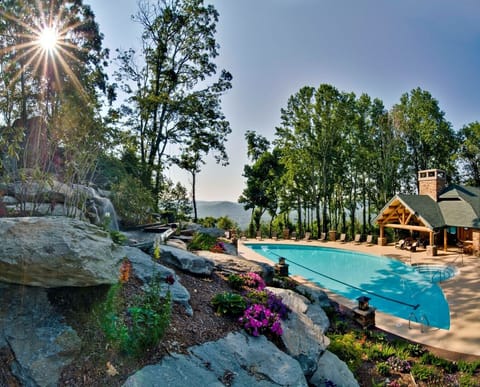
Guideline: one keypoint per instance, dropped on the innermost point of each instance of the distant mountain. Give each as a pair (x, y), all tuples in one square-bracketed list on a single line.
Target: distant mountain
[(234, 211)]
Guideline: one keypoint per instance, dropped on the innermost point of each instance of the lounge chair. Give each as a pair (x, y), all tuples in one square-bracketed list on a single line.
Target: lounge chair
[(294, 236), (400, 244), (369, 240), (307, 236), (413, 247), (343, 238), (357, 239), (323, 237), (286, 233), (274, 235), (259, 236)]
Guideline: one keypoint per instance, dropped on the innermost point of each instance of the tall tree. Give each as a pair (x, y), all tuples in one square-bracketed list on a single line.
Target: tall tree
[(169, 93), (470, 152), (429, 137), (261, 191)]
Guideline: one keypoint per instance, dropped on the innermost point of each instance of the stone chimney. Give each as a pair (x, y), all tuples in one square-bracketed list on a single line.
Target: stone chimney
[(431, 182)]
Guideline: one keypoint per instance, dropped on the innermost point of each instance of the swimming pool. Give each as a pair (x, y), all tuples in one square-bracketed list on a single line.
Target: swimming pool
[(393, 287)]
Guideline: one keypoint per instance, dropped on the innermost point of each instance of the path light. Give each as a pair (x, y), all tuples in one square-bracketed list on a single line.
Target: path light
[(363, 302), (364, 314), (281, 268)]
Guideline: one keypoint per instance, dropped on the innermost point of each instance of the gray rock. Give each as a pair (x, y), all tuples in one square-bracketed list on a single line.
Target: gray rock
[(41, 343), (302, 336), (186, 261), (56, 251), (330, 367), (174, 371), (234, 264), (238, 360), (145, 268)]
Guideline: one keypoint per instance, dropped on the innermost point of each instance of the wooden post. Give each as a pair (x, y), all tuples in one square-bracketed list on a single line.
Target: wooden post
[(445, 239)]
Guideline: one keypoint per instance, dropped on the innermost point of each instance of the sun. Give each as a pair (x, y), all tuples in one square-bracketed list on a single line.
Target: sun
[(48, 38), (46, 44)]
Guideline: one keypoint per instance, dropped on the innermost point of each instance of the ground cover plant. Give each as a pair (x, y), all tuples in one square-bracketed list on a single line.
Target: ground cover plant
[(379, 359)]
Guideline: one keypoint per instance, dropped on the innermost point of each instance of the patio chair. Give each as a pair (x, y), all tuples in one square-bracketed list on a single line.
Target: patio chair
[(294, 236), (343, 238), (286, 233), (358, 238), (400, 244), (274, 236), (307, 236), (259, 236), (323, 237), (369, 240), (413, 247)]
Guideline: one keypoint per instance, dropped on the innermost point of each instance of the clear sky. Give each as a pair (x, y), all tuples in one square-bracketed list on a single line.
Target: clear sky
[(274, 47)]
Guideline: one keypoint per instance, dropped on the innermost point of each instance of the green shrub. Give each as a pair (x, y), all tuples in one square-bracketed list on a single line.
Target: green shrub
[(348, 348), (425, 373), (202, 241), (140, 327), (257, 297), (383, 368), (118, 237), (236, 281), (132, 201), (468, 367), (467, 381), (227, 303)]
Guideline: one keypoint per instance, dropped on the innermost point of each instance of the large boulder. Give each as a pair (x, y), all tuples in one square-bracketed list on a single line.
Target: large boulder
[(331, 369), (186, 261), (302, 336), (42, 344), (145, 269), (56, 251), (236, 360)]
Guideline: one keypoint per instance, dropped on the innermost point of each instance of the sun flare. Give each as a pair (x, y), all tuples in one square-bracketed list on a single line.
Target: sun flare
[(48, 38), (45, 45)]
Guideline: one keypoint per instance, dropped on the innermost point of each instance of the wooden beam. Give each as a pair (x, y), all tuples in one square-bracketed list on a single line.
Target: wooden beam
[(407, 227)]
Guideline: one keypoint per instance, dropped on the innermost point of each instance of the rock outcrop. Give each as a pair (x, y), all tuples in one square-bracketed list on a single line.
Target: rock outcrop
[(237, 359), (56, 251), (186, 261), (35, 333)]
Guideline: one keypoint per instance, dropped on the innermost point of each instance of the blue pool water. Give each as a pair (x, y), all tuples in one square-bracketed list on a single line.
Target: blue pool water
[(393, 287)]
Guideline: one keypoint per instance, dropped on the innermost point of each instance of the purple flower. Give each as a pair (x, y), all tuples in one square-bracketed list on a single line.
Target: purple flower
[(259, 319)]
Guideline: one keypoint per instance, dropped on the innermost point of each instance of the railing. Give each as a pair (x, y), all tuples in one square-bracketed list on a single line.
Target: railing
[(424, 322)]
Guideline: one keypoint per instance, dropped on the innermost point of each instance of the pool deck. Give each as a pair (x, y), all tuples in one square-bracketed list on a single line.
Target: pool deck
[(462, 293)]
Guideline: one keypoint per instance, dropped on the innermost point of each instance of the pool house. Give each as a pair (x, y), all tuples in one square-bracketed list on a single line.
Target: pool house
[(439, 216)]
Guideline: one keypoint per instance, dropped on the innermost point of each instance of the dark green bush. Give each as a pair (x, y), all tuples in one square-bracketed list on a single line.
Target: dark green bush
[(132, 201), (231, 304), (202, 241)]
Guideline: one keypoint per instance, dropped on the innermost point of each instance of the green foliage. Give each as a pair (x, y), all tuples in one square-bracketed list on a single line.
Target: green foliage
[(257, 297), (225, 223), (348, 348), (467, 381), (118, 237), (468, 367), (425, 373), (231, 304), (236, 281), (429, 358), (383, 368), (132, 201), (202, 241), (139, 327)]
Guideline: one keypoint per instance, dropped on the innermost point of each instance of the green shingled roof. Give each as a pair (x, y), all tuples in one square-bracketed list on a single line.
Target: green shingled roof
[(457, 206), (460, 206), (426, 208)]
